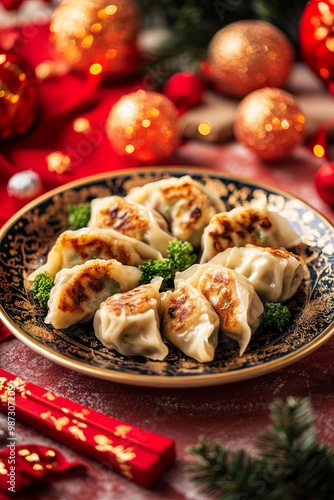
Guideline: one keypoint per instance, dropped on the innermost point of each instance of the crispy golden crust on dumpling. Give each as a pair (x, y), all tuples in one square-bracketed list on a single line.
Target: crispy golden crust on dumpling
[(136, 300), (181, 306)]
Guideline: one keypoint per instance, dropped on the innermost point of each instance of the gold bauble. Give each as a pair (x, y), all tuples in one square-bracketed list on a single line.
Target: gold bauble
[(270, 122), (143, 125), (248, 55), (96, 35)]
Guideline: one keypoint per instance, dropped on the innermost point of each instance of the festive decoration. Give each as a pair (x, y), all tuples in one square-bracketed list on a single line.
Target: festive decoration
[(143, 125), (317, 40), (185, 90), (18, 96), (270, 122), (248, 55), (290, 463), (59, 163), (24, 186), (29, 466), (96, 35), (324, 183)]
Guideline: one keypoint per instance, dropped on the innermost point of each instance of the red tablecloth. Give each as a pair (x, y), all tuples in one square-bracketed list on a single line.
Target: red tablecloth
[(234, 413)]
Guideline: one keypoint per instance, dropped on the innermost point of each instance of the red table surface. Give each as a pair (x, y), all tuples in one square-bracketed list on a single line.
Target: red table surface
[(234, 413)]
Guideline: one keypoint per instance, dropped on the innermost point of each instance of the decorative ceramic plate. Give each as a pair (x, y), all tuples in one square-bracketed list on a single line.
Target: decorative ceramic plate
[(28, 236)]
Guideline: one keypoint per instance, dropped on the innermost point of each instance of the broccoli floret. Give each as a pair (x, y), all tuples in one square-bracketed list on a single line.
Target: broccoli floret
[(41, 288), (181, 257), (181, 253), (276, 316), (78, 215)]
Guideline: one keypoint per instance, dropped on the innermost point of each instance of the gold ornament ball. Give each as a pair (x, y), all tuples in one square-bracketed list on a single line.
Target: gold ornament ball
[(248, 55), (95, 35), (143, 125), (270, 122)]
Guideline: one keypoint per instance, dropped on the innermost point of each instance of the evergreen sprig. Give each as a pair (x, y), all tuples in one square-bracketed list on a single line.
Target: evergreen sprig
[(290, 462)]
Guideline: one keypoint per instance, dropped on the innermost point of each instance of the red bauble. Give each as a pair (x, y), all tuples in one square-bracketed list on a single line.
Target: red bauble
[(324, 183), (185, 90), (18, 96), (316, 38)]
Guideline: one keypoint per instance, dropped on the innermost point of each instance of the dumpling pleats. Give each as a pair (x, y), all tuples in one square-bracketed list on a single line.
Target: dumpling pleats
[(253, 224), (231, 295), (79, 291), (129, 322), (190, 323), (275, 273), (186, 204)]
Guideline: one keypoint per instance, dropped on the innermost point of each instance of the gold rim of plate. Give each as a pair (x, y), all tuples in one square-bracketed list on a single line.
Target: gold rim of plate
[(161, 381)]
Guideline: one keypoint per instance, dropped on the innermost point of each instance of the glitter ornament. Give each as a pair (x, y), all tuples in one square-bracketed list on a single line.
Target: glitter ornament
[(248, 55), (18, 96), (96, 35), (270, 123), (185, 90), (317, 38), (24, 186), (324, 183), (143, 125)]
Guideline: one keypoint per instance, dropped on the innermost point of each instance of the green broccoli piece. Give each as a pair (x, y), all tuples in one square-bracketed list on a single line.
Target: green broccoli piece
[(181, 253), (276, 316), (78, 215), (41, 288), (180, 257)]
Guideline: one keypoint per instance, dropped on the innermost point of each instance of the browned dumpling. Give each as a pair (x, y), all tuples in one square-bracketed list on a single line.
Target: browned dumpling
[(185, 203), (129, 322)]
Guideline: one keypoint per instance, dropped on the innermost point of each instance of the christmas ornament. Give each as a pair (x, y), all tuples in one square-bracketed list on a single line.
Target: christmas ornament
[(317, 38), (248, 55), (24, 186), (143, 125), (185, 90), (96, 35), (324, 183), (270, 122), (18, 96), (59, 163)]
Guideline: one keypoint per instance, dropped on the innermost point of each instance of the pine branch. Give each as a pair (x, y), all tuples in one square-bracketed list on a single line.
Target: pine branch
[(291, 463)]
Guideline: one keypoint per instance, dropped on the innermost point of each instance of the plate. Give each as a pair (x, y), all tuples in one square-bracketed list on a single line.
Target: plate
[(28, 235)]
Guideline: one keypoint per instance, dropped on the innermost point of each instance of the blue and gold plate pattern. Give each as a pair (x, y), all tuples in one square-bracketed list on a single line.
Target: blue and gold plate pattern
[(28, 236)]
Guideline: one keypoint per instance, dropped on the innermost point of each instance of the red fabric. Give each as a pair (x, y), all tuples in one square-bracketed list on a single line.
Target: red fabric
[(29, 465), (62, 100), (15, 4)]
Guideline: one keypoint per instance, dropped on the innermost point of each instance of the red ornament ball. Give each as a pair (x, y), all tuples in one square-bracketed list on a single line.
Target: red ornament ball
[(144, 126), (248, 55), (269, 122), (324, 183), (18, 96), (185, 90), (316, 38)]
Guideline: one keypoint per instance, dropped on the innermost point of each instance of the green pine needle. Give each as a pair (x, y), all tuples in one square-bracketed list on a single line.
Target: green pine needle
[(290, 464)]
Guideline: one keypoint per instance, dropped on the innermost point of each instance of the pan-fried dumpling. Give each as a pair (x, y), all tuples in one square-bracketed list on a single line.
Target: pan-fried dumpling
[(190, 323), (79, 291), (275, 273), (252, 223), (76, 247), (232, 296), (129, 322), (185, 203), (130, 218)]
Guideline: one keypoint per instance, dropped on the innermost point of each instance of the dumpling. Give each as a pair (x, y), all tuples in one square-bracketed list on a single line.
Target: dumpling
[(253, 224), (76, 247), (232, 296), (79, 291), (275, 273), (185, 203), (130, 218), (129, 322), (190, 323)]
